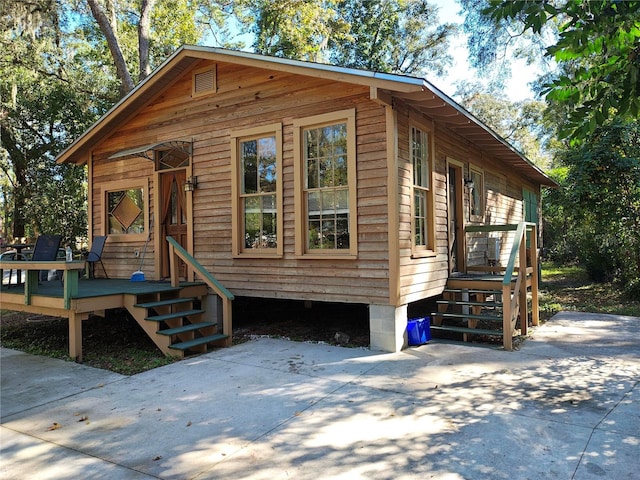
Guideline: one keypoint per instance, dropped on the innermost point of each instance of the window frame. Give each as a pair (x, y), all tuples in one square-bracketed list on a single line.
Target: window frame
[(428, 249), (238, 221), (118, 186), (478, 173), (348, 117)]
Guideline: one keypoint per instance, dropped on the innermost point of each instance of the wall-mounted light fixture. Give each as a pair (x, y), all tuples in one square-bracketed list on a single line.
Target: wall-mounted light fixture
[(469, 183), (191, 184)]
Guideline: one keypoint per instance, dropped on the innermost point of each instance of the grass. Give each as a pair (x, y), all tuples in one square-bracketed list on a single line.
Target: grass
[(119, 344), (567, 288)]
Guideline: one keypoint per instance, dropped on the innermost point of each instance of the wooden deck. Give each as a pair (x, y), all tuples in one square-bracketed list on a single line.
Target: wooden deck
[(92, 296)]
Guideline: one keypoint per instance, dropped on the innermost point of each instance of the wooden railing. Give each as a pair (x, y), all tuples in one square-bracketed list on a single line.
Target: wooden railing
[(32, 268), (177, 252), (514, 296)]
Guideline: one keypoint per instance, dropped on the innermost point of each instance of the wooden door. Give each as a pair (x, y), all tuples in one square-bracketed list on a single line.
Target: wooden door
[(456, 220), (174, 218)]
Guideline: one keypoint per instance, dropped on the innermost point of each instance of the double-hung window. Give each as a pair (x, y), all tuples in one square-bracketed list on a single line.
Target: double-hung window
[(421, 207), (257, 191), (326, 185)]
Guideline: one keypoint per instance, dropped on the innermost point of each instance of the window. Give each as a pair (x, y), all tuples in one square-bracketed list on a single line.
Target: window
[(257, 191), (125, 210), (476, 194), (421, 208), (325, 190)]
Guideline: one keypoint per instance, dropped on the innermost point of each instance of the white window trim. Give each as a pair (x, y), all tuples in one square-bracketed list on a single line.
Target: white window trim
[(237, 237), (301, 219)]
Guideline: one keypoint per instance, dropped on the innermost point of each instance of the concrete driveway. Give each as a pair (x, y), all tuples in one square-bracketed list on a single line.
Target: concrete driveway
[(565, 406)]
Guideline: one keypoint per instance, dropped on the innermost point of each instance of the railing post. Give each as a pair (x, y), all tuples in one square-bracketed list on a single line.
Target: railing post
[(174, 273), (535, 307), (522, 273), (507, 333)]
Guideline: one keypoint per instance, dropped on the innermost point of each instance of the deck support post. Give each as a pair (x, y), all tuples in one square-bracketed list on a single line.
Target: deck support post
[(75, 334), (387, 327)]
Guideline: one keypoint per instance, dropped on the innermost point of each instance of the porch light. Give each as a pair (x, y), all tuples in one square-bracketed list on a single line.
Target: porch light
[(191, 184), (469, 183)]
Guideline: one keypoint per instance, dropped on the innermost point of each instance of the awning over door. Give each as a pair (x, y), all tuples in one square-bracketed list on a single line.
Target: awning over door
[(146, 151)]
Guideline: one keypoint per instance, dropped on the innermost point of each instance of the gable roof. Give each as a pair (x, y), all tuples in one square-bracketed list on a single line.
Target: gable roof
[(417, 92)]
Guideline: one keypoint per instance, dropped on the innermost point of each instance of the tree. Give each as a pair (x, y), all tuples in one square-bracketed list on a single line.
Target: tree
[(44, 102), (596, 215), (400, 36), (520, 123), (598, 50)]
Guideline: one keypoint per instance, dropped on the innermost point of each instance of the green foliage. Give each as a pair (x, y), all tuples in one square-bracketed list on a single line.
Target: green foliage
[(598, 50), (399, 36), (595, 218)]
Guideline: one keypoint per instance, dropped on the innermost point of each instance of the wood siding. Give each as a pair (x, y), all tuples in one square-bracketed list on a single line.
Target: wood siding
[(248, 97)]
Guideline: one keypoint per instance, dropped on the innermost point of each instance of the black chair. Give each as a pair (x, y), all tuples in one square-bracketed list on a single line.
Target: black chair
[(46, 250), (95, 255)]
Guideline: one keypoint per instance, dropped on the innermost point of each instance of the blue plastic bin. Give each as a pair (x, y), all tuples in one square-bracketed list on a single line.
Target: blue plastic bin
[(418, 331)]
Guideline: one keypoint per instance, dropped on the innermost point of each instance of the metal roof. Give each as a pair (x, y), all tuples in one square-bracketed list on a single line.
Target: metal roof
[(417, 92)]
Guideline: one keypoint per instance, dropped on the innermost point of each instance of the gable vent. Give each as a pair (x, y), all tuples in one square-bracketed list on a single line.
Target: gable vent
[(204, 81)]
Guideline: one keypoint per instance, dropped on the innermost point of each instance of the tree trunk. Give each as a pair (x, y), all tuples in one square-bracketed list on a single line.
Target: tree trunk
[(126, 83), (143, 38)]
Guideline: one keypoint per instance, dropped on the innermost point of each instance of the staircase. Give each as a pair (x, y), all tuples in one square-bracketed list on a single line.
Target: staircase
[(490, 300), (176, 320), (471, 310)]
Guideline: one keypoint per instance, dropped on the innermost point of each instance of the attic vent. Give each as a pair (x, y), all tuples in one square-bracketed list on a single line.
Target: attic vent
[(204, 81)]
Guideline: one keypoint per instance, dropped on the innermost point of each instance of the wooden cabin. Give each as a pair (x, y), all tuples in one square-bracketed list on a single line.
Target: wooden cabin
[(284, 179)]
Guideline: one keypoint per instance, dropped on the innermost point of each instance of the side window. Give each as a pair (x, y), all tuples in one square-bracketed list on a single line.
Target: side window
[(476, 194), (325, 187), (257, 174), (125, 210), (421, 206)]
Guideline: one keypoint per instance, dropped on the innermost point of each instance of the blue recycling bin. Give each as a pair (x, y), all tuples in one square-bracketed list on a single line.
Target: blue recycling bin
[(418, 331)]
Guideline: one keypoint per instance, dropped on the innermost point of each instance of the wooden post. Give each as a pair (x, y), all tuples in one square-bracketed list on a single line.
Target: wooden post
[(535, 307), (522, 274), (507, 333), (75, 334), (70, 280)]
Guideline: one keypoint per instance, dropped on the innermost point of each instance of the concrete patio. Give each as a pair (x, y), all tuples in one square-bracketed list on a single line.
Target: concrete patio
[(565, 406)]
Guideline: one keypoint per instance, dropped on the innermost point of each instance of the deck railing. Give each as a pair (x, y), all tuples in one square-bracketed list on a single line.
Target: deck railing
[(177, 252), (514, 296)]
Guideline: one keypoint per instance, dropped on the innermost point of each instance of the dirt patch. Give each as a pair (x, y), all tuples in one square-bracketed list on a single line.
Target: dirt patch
[(335, 324)]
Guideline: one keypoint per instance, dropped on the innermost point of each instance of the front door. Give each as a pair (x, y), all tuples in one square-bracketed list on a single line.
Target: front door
[(174, 216), (456, 240)]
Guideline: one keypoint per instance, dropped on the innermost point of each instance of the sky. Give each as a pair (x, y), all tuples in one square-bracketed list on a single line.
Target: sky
[(516, 89)]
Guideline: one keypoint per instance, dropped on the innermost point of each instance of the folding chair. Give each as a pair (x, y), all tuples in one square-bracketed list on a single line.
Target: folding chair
[(95, 255), (46, 249)]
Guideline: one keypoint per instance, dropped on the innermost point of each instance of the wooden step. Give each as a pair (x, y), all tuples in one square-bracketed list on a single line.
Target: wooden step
[(488, 291), (477, 331), (198, 341), (169, 316), (491, 318), (162, 303), (469, 303), (186, 328)]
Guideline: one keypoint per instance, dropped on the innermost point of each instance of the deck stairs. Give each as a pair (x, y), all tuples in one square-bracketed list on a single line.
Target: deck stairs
[(470, 310), (177, 320)]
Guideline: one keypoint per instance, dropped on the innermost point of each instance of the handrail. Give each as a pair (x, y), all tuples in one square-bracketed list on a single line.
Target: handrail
[(516, 302), (206, 276), (176, 250), (515, 248)]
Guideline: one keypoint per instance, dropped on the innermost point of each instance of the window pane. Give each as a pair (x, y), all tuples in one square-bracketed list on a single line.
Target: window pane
[(327, 192), (420, 217), (249, 160), (267, 164), (125, 211)]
